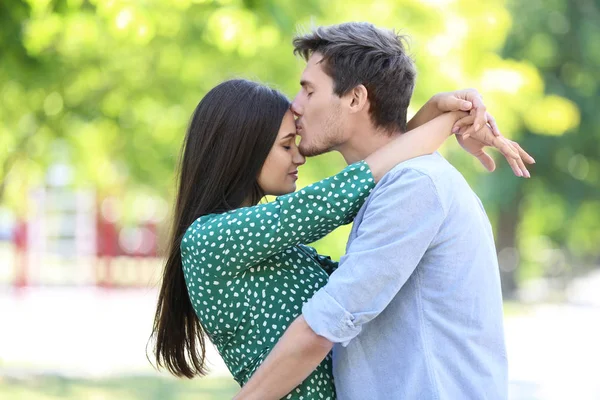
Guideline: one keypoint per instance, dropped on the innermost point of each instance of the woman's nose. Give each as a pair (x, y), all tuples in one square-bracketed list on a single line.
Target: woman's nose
[(299, 159)]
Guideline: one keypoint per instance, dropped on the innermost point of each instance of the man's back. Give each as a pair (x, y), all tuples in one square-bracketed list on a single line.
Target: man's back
[(420, 291)]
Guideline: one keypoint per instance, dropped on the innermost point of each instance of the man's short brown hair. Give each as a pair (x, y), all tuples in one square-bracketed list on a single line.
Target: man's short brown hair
[(357, 53)]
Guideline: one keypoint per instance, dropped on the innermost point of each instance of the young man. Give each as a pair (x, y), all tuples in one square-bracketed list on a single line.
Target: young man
[(414, 308)]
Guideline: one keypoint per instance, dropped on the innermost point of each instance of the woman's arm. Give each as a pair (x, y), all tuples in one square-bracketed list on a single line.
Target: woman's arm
[(244, 237), (479, 124), (239, 239), (425, 139), (429, 136), (459, 100)]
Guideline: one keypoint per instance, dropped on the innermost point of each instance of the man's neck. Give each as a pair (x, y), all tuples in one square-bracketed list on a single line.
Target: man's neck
[(362, 144)]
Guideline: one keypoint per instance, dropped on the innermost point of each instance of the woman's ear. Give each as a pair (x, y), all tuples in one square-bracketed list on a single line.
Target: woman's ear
[(359, 98)]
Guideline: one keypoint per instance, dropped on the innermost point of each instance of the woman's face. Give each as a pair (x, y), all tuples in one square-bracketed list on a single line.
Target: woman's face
[(280, 171)]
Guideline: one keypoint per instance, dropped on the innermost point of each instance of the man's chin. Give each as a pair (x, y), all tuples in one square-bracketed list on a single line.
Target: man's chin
[(311, 151)]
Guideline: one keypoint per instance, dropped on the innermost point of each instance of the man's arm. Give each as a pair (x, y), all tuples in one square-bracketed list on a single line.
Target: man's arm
[(399, 224), (297, 353)]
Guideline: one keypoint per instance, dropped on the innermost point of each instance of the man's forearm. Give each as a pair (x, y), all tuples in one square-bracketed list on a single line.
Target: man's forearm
[(297, 354), (429, 111)]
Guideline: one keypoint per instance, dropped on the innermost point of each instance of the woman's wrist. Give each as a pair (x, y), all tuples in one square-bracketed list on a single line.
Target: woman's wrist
[(455, 116)]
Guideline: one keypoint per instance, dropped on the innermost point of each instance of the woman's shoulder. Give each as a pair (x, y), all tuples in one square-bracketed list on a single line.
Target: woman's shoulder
[(215, 221), (202, 227)]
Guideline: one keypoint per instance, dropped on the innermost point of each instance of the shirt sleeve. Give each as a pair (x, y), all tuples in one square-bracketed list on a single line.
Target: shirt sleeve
[(400, 222), (237, 240)]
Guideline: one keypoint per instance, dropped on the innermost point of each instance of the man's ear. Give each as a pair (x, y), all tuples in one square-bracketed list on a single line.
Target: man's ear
[(359, 98)]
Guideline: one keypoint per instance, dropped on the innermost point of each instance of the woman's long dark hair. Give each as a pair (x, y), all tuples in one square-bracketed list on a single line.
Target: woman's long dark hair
[(228, 140)]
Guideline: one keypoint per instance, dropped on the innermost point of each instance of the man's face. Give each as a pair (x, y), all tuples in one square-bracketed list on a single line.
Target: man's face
[(318, 110)]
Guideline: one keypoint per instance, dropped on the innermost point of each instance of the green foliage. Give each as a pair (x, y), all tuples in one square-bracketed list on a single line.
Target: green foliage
[(560, 212), (108, 86), (125, 388)]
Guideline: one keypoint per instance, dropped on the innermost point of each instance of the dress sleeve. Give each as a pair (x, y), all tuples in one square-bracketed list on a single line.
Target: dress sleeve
[(324, 261), (239, 239), (327, 263)]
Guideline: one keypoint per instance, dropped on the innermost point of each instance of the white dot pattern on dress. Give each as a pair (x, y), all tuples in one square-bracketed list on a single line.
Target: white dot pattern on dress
[(248, 274)]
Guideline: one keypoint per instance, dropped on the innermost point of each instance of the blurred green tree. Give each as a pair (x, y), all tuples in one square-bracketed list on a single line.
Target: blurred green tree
[(108, 87), (554, 220)]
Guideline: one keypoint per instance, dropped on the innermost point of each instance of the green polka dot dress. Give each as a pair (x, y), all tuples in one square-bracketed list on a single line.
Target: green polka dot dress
[(248, 273)]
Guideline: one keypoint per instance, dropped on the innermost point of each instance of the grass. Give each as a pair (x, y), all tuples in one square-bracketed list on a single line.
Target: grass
[(123, 388), (516, 309)]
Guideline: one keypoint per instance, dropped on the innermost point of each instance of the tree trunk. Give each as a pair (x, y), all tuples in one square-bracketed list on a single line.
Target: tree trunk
[(506, 245)]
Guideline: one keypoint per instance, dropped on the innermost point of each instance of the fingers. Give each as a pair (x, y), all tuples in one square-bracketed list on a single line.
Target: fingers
[(480, 116), (461, 132), (514, 166), (486, 161), (479, 108), (524, 155), (492, 122), (505, 147), (465, 105), (522, 167), (451, 102), (463, 122), (464, 126), (469, 100), (511, 153), (520, 162)]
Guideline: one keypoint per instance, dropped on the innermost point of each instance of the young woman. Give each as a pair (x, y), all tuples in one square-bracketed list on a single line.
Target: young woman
[(238, 271)]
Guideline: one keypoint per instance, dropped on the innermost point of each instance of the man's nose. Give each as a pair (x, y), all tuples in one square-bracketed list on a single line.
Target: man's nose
[(296, 109)]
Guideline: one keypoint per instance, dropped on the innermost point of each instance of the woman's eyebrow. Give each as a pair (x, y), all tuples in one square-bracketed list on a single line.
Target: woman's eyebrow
[(289, 135)]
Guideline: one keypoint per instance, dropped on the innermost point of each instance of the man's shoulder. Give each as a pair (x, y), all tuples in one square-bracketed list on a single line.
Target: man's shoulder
[(432, 166), (416, 177), (427, 174)]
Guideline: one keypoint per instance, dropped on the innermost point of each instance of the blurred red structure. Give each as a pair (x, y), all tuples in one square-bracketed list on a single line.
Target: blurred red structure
[(108, 250), (20, 242)]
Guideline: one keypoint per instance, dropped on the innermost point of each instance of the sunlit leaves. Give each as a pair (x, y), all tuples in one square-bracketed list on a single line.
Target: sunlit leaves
[(552, 115), (41, 33), (116, 82)]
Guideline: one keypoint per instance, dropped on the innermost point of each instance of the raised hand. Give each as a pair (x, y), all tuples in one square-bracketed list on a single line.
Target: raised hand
[(511, 150), (467, 100)]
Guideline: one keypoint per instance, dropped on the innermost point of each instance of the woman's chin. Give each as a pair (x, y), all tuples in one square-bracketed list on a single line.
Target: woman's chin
[(290, 189), (281, 192)]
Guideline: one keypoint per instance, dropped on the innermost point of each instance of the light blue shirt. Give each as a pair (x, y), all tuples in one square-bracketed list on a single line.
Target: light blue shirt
[(415, 306)]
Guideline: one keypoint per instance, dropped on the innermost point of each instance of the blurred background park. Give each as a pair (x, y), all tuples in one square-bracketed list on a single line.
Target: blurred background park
[(95, 96)]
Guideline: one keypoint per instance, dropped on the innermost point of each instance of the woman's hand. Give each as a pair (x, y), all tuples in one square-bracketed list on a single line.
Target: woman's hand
[(466, 100), (511, 150), (476, 130)]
